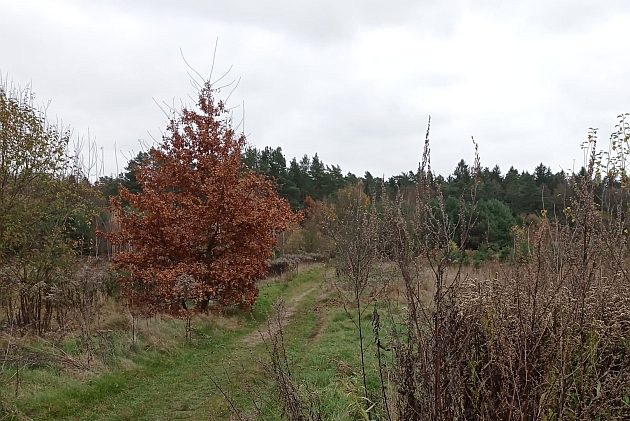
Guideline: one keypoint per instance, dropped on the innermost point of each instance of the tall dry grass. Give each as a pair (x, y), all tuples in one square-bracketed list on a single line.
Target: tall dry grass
[(547, 337)]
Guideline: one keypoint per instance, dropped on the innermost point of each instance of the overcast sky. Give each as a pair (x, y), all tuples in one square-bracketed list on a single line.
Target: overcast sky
[(353, 81)]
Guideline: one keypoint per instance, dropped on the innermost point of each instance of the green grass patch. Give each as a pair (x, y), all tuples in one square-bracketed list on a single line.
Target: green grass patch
[(162, 377)]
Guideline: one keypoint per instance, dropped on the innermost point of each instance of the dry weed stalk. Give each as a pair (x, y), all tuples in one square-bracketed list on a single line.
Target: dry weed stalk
[(354, 229), (298, 403), (417, 232), (546, 338)]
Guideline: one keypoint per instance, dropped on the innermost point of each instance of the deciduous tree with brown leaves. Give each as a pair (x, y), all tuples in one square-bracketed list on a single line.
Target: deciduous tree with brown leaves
[(202, 227)]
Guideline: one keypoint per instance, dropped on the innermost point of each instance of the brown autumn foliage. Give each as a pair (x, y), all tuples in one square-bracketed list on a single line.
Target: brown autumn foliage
[(202, 228)]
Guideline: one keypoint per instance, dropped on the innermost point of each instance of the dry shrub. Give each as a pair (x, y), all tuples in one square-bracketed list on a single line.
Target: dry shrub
[(282, 265), (73, 301), (547, 337)]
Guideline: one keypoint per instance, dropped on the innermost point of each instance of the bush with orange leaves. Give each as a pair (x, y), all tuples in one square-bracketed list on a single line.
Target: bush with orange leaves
[(202, 228)]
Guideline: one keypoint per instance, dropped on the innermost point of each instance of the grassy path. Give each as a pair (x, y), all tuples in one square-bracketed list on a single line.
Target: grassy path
[(181, 386), (321, 342)]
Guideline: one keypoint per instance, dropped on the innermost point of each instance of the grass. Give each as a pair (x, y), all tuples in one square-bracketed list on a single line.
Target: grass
[(179, 381), (148, 381)]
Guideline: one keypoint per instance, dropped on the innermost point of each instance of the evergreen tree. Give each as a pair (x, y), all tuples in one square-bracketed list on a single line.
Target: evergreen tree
[(317, 171)]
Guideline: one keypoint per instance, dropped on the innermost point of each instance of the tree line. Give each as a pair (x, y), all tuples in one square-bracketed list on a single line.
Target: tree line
[(503, 200)]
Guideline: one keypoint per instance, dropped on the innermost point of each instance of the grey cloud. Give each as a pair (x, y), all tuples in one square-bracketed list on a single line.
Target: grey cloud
[(326, 21), (352, 81)]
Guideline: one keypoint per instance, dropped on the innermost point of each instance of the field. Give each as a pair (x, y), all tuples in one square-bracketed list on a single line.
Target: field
[(165, 378), (225, 371)]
